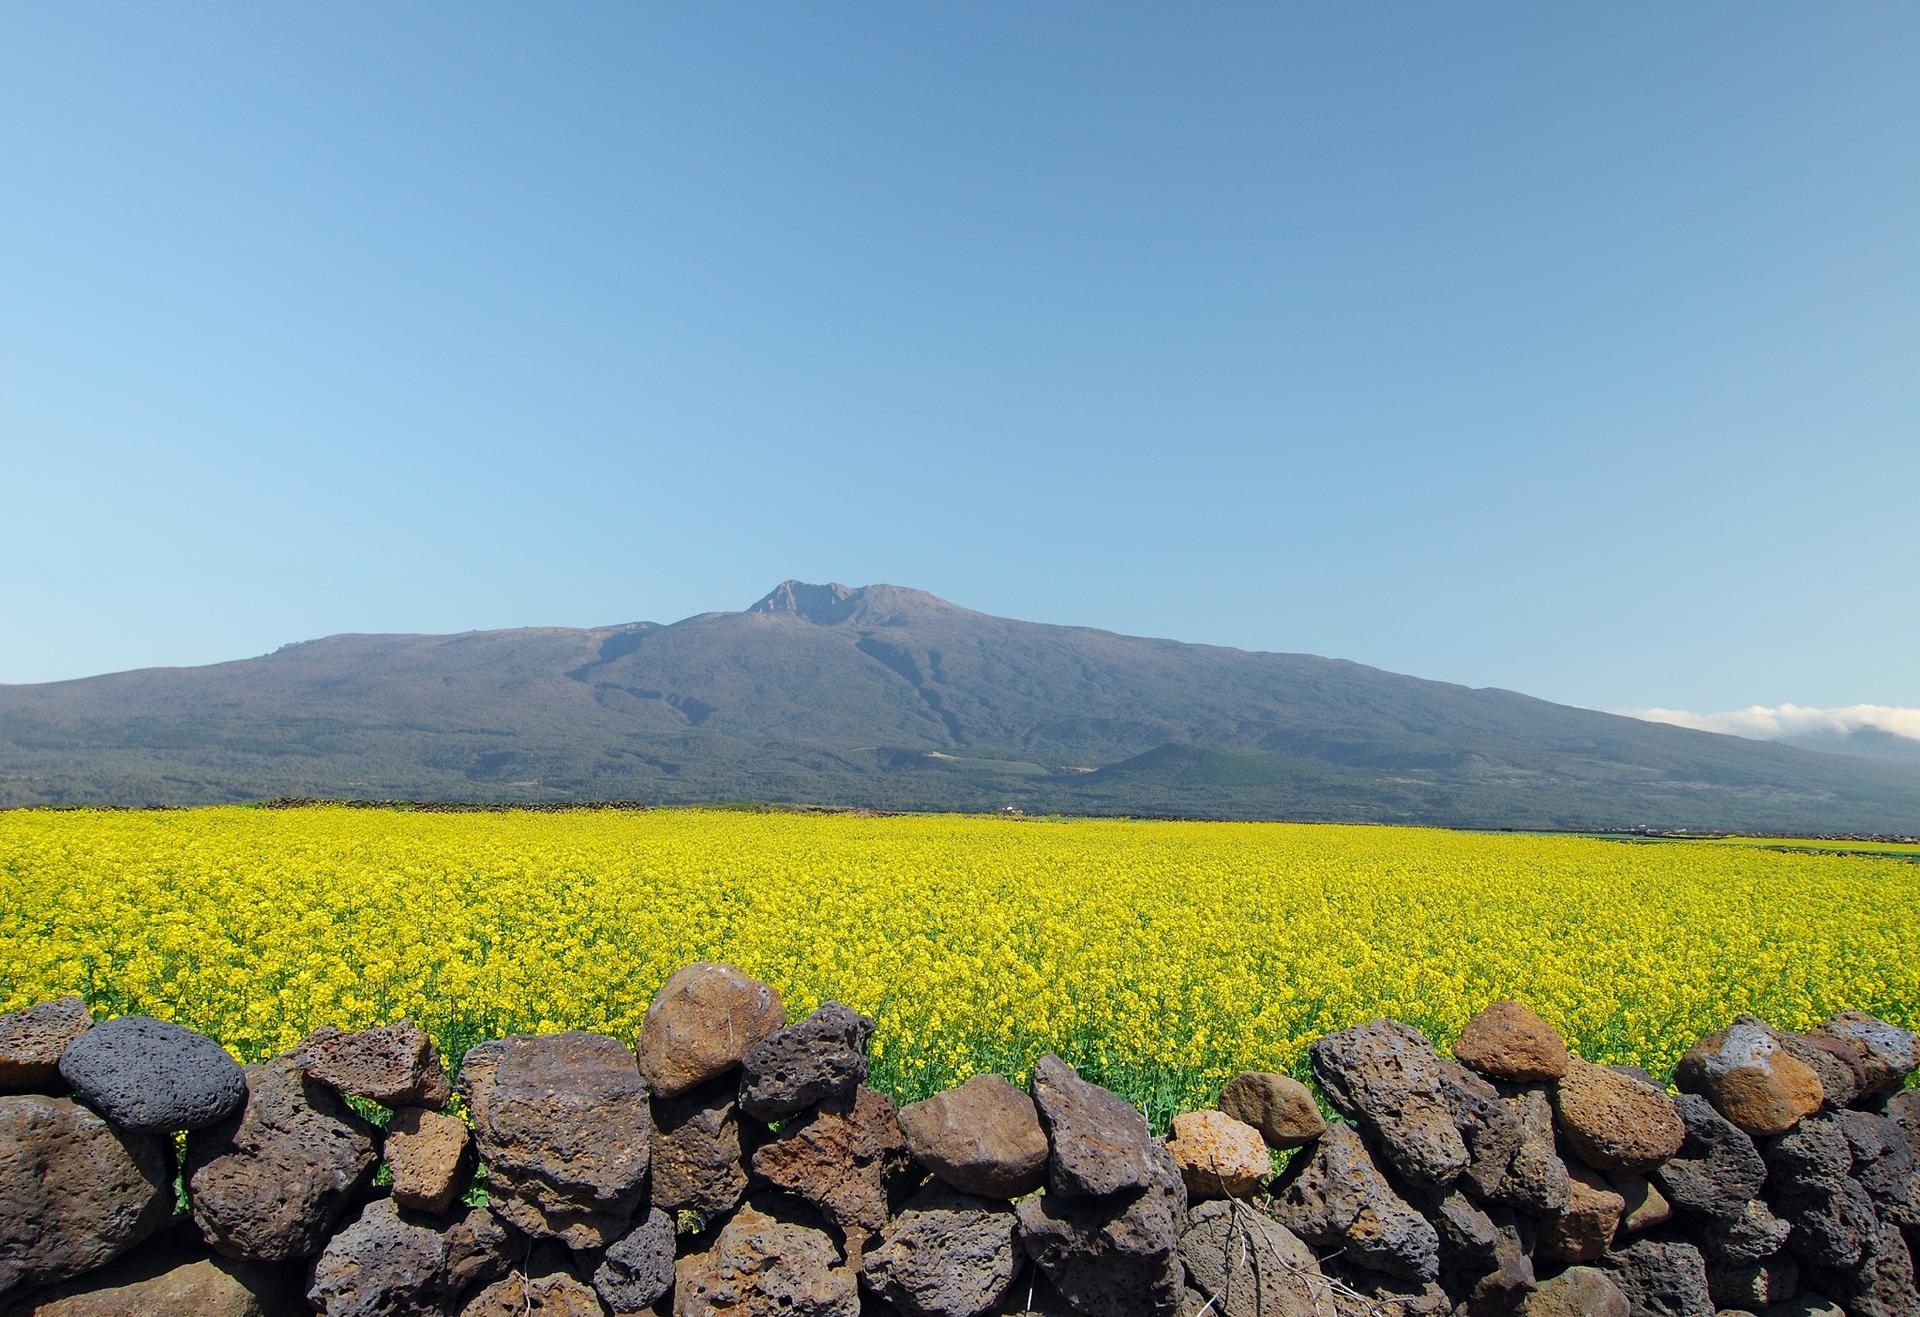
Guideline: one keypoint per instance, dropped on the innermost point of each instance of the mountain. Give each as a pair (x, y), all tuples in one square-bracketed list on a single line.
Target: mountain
[(1867, 742), (891, 698)]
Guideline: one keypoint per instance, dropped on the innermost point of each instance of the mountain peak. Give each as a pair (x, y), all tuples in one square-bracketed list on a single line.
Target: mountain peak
[(833, 603)]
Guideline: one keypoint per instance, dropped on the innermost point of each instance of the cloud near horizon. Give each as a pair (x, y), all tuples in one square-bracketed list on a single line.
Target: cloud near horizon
[(1761, 723)]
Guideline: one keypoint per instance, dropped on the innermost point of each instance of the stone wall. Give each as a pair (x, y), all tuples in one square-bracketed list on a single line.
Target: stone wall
[(736, 1164)]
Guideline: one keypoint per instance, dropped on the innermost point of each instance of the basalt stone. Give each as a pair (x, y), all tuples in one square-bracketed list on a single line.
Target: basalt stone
[(152, 1076), (269, 1183), (1748, 1233), (1504, 1285), (1717, 1168), (947, 1254), (1882, 1284), (32, 1040), (1645, 1206), (1884, 1163), (388, 1262), (1662, 1279), (1577, 1292), (1586, 1228), (636, 1271), (851, 1164), (75, 1192), (1841, 1064), (1815, 1155), (556, 1294), (1387, 1078), (1614, 1121), (1755, 1285), (1830, 1228), (983, 1137), (701, 1025), (761, 1267), (563, 1124), (1334, 1197), (396, 1065), (1509, 1042), (431, 1155), (1889, 1053), (171, 1280), (1099, 1145), (1368, 1293), (819, 1059), (1750, 1078), (1468, 1236), (1245, 1264), (1279, 1106), (1513, 1160), (1115, 1255), (699, 1157), (1218, 1156)]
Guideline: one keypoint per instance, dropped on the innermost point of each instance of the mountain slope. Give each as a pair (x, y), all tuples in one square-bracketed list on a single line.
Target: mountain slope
[(893, 698)]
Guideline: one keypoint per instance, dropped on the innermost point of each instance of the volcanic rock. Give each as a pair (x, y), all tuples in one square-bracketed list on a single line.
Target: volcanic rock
[(947, 1254), (1335, 1197), (74, 1191), (1750, 1078), (1889, 1053), (32, 1040), (1755, 1285), (983, 1137), (1577, 1292), (701, 1025), (760, 1267), (1717, 1167), (1882, 1285), (152, 1076), (553, 1295), (1218, 1156), (269, 1183), (1513, 1160), (699, 1162), (563, 1124), (1116, 1255), (817, 1060), (1615, 1122), (637, 1270), (1583, 1232), (851, 1163), (430, 1154), (1884, 1163), (396, 1065), (387, 1262), (167, 1279), (1507, 1041), (1099, 1145), (1279, 1106), (1663, 1280), (1250, 1265), (1387, 1078), (1747, 1233), (1646, 1206)]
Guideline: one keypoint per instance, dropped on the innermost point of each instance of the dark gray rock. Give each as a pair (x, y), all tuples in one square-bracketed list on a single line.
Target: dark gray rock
[(763, 1267), (699, 1153), (1513, 1157), (563, 1125), (850, 1163), (1468, 1237), (1830, 1213), (388, 1262), (152, 1077), (32, 1040), (821, 1058), (75, 1192), (1662, 1279), (1881, 1284), (1116, 1255), (1884, 1163), (947, 1254), (1506, 1283), (637, 1270), (1752, 1234), (983, 1137), (1717, 1168), (1098, 1144), (1887, 1054), (1387, 1078), (1755, 1285), (1334, 1197), (1249, 1265), (268, 1184), (1814, 1155)]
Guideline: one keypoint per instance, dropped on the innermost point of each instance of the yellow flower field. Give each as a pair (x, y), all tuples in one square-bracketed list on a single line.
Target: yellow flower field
[(1162, 957)]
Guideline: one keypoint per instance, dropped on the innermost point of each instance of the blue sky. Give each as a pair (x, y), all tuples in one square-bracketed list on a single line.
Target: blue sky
[(1569, 349)]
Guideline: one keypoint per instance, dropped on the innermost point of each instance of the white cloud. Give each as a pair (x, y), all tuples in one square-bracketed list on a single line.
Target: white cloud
[(1760, 723)]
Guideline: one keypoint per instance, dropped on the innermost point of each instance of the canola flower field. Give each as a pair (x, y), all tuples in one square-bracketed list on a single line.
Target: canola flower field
[(1161, 957)]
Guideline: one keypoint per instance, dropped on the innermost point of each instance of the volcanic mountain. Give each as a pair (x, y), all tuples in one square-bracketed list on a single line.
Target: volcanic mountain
[(891, 698)]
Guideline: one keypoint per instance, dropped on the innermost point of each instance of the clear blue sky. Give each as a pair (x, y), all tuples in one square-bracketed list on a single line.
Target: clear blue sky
[(1574, 349)]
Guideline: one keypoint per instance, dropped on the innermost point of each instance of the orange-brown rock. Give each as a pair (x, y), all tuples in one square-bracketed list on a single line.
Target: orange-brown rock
[(1508, 1041), (31, 1041), (1218, 1156), (395, 1065), (430, 1154), (1614, 1121), (1750, 1078), (1279, 1106), (850, 1163), (1583, 1232), (701, 1025)]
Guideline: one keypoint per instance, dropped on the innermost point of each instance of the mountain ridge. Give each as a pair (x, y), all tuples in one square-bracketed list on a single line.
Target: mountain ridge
[(891, 697)]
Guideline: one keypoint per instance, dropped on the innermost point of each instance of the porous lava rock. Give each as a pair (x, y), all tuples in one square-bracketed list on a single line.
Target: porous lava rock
[(1750, 1078), (1113, 1254), (821, 1058), (556, 1294), (269, 1183), (762, 1267), (1887, 1053), (701, 1025), (1513, 1158), (1507, 1041), (563, 1124), (1812, 1190), (1885, 1164), (983, 1137), (1754, 1285), (1586, 1228), (1218, 1156), (31, 1041), (636, 1272), (395, 1065), (1741, 1233), (170, 1280), (153, 1076), (1098, 1145), (1614, 1121), (1662, 1279), (388, 1262), (430, 1154), (851, 1163), (1249, 1265), (74, 1191), (699, 1156), (947, 1254), (1334, 1197), (1279, 1106), (1387, 1078), (1646, 1206), (1577, 1292), (1717, 1167)]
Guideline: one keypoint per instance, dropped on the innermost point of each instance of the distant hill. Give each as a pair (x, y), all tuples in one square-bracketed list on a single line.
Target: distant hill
[(892, 698)]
